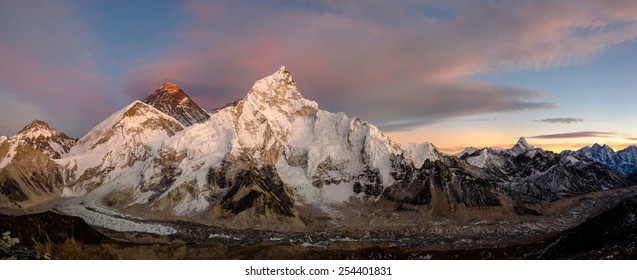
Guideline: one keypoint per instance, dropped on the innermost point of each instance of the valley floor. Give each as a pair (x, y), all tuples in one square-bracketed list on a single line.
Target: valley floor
[(369, 230)]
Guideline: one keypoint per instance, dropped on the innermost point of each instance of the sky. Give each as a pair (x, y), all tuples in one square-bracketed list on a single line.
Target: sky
[(455, 73)]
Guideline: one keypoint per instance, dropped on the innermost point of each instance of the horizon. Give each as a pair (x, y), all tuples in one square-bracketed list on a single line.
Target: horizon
[(460, 74)]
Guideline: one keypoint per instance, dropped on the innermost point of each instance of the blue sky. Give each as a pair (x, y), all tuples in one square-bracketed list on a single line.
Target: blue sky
[(455, 73)]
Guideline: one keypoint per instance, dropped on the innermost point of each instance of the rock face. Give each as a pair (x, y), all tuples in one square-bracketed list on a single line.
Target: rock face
[(623, 161), (171, 100)]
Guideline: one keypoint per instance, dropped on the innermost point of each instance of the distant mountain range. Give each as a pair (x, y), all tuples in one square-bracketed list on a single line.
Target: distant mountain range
[(623, 161), (273, 155)]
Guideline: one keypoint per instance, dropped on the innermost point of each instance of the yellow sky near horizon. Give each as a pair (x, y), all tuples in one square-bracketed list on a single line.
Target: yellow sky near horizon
[(452, 142)]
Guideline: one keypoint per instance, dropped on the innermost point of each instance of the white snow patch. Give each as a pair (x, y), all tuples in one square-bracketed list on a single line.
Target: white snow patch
[(479, 160), (224, 236), (114, 223), (336, 193), (9, 156)]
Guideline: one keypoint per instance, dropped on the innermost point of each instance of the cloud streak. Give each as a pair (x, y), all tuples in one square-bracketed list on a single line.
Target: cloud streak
[(561, 120), (481, 120), (580, 134)]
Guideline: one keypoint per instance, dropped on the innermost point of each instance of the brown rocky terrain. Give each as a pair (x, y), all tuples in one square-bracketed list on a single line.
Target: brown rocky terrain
[(367, 231)]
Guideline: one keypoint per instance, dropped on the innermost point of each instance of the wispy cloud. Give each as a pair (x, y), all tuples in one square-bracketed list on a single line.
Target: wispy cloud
[(580, 134), (561, 120), (400, 64), (481, 120), (384, 66)]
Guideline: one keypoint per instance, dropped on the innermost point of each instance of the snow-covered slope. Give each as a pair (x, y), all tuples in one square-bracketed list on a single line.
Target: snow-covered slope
[(122, 144), (171, 100), (418, 153)]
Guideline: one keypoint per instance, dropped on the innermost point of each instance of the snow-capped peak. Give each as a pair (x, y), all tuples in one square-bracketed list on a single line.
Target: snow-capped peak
[(623, 161), (522, 146), (42, 136), (279, 91), (279, 84), (522, 142), (419, 153), (602, 151), (36, 129)]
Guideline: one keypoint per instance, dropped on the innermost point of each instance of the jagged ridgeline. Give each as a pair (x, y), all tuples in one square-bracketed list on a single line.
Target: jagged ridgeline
[(273, 156)]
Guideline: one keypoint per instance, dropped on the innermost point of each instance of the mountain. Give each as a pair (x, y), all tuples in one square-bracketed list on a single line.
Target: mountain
[(28, 172), (43, 137), (521, 147), (122, 145), (259, 157), (623, 161), (418, 153), (275, 160), (171, 100), (531, 174)]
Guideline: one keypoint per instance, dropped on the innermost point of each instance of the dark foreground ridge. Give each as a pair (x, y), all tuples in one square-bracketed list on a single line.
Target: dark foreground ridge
[(611, 235)]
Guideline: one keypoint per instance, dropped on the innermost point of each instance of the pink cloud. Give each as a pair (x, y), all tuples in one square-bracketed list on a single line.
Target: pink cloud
[(395, 67)]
